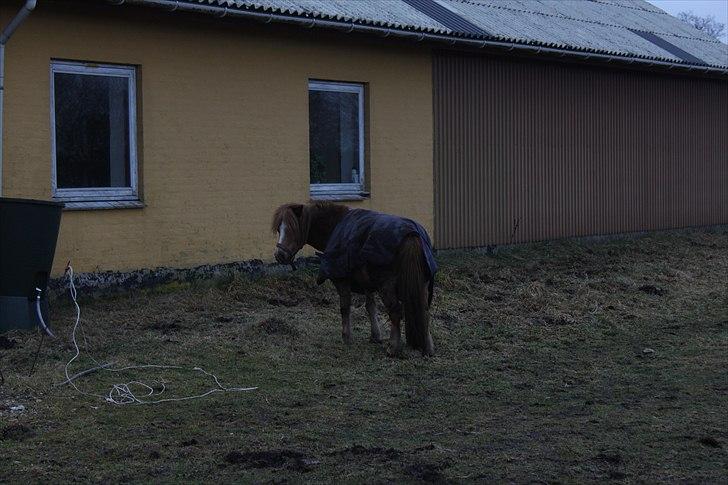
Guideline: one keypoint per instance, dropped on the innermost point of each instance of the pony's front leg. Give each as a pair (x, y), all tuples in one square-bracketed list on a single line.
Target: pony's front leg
[(344, 290), (371, 305)]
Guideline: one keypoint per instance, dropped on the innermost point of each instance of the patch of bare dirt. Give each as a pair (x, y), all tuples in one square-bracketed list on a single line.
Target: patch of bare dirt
[(16, 432), (710, 442), (427, 472), (652, 290), (358, 450), (7, 343), (289, 459)]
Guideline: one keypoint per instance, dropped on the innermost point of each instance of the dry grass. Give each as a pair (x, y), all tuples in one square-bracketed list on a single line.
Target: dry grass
[(566, 361)]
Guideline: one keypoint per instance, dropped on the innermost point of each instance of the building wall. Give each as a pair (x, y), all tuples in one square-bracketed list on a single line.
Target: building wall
[(223, 129), (529, 151)]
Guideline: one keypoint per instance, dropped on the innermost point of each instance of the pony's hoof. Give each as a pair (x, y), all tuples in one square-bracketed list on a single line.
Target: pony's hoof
[(376, 339), (394, 352)]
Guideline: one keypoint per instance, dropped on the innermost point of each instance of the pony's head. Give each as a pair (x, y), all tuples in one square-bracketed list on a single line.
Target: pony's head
[(301, 224), (289, 223)]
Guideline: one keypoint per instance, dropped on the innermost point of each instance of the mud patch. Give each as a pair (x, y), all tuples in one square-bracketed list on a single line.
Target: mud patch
[(16, 432), (710, 442), (289, 459), (7, 343), (609, 457), (386, 454), (652, 290), (427, 472)]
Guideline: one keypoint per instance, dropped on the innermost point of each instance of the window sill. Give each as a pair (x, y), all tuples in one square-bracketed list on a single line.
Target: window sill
[(341, 197), (102, 205)]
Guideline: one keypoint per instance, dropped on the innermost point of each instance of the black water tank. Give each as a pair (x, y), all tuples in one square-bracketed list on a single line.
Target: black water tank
[(28, 235)]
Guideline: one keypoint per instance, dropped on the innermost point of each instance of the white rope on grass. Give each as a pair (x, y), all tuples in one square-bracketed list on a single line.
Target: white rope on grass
[(122, 393)]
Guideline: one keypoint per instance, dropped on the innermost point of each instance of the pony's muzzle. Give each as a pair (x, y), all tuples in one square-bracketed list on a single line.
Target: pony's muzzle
[(283, 258), (280, 257), (283, 255)]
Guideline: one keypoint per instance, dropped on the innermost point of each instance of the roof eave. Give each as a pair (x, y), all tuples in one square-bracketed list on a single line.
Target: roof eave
[(420, 36)]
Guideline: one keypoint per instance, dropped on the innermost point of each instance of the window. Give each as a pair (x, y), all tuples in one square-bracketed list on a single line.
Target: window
[(93, 130), (336, 139)]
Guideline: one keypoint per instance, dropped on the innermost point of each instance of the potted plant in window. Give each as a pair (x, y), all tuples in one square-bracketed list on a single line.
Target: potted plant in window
[(28, 235)]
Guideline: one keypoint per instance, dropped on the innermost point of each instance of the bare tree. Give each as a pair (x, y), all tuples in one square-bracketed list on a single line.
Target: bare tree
[(707, 24)]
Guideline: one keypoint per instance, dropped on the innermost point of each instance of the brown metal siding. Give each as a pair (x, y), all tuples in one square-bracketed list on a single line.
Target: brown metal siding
[(562, 150)]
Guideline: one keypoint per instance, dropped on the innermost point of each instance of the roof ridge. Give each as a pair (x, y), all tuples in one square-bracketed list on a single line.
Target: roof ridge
[(607, 2), (595, 22)]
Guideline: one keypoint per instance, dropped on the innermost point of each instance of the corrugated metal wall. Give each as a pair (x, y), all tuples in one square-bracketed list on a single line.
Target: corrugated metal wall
[(528, 151)]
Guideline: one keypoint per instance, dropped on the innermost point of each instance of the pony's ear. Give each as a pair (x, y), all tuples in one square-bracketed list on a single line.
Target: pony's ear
[(297, 210)]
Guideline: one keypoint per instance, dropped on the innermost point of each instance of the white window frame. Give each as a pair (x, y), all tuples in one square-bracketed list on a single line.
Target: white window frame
[(97, 194), (343, 189)]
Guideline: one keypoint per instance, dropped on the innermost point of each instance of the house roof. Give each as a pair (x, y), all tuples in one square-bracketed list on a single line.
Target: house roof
[(623, 28)]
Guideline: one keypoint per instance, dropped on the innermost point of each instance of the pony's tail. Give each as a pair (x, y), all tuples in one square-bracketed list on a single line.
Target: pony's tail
[(413, 292)]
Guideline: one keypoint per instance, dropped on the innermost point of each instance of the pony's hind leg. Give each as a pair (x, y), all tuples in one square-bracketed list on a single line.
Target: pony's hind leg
[(429, 349), (394, 309), (344, 290), (371, 305)]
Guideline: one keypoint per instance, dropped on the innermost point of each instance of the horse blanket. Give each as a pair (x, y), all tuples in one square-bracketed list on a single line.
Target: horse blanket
[(365, 237)]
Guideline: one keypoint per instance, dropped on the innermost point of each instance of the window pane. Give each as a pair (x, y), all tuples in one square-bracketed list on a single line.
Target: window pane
[(92, 131), (334, 137)]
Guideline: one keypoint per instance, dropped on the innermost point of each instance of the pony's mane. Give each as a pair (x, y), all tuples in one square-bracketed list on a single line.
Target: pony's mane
[(301, 224), (282, 214)]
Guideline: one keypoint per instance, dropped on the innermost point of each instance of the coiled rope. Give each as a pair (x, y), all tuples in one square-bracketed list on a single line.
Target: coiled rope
[(136, 391)]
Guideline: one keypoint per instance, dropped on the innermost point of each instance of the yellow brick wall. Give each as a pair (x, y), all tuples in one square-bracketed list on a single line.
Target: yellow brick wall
[(224, 130)]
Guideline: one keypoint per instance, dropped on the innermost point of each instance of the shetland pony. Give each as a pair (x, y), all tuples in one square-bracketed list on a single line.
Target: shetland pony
[(404, 285)]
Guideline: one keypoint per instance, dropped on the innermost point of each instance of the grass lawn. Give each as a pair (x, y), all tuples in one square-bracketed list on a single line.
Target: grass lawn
[(566, 361)]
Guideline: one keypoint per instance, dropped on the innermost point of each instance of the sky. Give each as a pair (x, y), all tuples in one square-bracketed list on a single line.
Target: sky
[(716, 8)]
